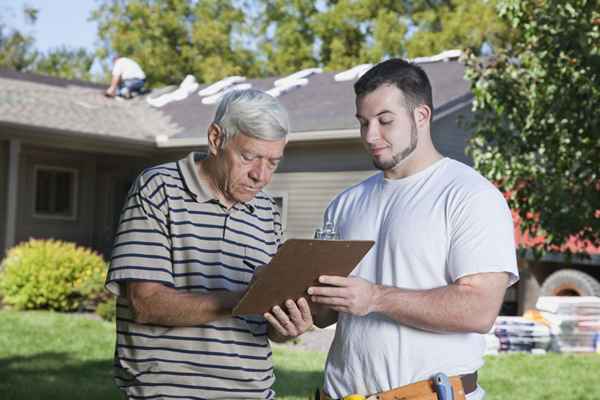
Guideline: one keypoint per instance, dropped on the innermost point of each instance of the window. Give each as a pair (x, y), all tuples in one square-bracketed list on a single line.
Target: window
[(281, 199), (55, 192)]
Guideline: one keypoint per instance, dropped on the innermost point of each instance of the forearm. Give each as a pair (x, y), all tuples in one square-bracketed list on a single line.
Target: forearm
[(114, 83), (453, 308), (161, 305)]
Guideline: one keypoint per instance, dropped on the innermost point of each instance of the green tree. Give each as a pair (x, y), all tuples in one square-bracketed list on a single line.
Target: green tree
[(66, 63), (337, 34), (538, 127), (16, 48), (290, 47), (456, 24), (173, 38), (17, 51)]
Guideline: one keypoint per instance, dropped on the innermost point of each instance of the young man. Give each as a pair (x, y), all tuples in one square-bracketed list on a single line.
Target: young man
[(444, 251), (190, 238), (127, 78)]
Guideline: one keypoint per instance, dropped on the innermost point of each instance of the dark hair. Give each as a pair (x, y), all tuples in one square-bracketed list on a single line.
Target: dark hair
[(409, 78)]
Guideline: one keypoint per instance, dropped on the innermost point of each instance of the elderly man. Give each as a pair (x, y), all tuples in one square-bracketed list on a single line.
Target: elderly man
[(190, 238), (444, 254)]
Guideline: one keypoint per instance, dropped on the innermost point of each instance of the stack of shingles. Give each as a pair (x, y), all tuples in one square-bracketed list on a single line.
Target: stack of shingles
[(574, 322), (518, 334)]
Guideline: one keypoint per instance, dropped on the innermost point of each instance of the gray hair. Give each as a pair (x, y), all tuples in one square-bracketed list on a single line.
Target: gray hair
[(253, 113)]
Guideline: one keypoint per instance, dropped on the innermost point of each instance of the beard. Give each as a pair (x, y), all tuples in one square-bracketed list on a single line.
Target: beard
[(397, 158)]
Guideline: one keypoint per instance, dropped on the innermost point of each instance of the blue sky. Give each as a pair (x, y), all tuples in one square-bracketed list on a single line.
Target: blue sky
[(60, 22)]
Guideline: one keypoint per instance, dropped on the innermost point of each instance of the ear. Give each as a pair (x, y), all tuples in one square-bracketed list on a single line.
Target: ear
[(215, 139), (422, 115)]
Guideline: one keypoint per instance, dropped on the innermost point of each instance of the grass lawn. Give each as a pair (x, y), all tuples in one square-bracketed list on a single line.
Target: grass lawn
[(56, 356)]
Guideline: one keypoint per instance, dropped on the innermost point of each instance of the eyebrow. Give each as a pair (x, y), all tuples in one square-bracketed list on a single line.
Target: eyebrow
[(378, 114), (259, 156)]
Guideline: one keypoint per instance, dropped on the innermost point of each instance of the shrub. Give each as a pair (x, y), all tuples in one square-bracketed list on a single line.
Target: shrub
[(50, 274), (107, 309)]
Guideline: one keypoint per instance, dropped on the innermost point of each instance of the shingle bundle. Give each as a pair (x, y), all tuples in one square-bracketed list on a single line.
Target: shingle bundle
[(574, 322), (518, 334)]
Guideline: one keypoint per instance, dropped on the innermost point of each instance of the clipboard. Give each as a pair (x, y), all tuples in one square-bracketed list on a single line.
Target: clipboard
[(297, 266)]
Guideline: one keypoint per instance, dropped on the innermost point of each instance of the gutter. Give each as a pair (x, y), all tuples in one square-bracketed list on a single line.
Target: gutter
[(76, 140)]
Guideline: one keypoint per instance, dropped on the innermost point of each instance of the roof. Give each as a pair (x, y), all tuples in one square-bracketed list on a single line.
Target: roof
[(76, 106), (323, 104), (320, 107)]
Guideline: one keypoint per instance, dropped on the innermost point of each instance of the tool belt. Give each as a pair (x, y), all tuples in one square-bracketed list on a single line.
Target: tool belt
[(422, 390)]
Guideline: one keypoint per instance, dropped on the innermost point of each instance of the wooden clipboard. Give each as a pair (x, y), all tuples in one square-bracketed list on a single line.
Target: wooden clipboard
[(297, 266)]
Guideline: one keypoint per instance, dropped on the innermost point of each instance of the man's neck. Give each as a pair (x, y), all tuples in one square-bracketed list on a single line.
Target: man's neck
[(419, 160), (209, 171)]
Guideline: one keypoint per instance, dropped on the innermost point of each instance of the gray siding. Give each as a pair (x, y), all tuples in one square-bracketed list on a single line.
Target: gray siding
[(3, 193), (335, 156), (308, 194), (450, 135)]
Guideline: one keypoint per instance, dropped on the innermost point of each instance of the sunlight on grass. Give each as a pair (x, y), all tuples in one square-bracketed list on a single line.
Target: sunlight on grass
[(54, 356)]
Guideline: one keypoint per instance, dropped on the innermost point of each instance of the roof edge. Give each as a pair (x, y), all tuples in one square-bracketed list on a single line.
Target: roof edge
[(124, 144)]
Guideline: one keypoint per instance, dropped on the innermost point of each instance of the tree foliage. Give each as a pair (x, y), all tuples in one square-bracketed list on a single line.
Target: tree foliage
[(337, 34), (18, 52), (65, 62), (538, 126), (174, 38), (215, 38)]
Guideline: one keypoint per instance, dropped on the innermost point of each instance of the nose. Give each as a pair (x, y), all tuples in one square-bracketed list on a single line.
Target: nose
[(260, 172), (371, 132)]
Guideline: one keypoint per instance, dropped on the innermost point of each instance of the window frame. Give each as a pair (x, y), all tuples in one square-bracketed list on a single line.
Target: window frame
[(74, 193), (284, 209)]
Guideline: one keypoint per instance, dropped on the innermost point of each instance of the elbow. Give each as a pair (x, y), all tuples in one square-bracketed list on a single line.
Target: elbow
[(140, 315), (484, 323)]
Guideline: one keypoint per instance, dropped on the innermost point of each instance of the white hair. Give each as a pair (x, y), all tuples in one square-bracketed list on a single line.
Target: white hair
[(253, 113)]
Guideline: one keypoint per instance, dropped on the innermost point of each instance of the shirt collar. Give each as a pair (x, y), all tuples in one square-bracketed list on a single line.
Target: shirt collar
[(198, 186)]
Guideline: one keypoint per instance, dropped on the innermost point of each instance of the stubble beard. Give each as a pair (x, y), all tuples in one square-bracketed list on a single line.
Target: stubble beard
[(397, 158)]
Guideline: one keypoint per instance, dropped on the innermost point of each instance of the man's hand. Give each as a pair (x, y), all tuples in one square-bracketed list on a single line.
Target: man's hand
[(295, 322), (351, 295), (110, 92)]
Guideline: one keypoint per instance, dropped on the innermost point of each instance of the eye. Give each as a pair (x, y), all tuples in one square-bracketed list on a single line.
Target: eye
[(273, 164), (248, 157), (386, 121)]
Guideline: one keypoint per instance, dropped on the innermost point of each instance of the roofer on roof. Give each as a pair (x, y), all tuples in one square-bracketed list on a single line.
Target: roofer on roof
[(127, 78)]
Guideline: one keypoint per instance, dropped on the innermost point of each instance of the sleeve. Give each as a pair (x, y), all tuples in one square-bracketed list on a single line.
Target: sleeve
[(142, 247), (118, 67), (482, 237)]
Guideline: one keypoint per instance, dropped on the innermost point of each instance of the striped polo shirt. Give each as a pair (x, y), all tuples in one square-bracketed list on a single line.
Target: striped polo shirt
[(173, 231)]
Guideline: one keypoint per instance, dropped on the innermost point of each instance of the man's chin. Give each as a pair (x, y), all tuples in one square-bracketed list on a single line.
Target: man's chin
[(384, 165)]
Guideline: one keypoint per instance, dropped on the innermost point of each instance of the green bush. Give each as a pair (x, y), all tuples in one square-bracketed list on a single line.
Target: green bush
[(107, 309), (54, 275)]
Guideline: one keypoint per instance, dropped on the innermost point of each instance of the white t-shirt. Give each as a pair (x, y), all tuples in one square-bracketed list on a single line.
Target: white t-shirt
[(430, 229), (126, 68)]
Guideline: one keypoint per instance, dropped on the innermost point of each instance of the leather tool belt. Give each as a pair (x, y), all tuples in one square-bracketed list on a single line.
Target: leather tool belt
[(422, 390)]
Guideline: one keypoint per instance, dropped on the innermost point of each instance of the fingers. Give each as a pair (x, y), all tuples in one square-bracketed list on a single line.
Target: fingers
[(296, 321), (327, 291), (335, 280), (329, 301), (275, 323)]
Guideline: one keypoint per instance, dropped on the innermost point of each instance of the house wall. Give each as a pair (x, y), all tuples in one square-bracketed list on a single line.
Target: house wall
[(79, 230), (114, 178), (450, 135), (3, 193), (308, 194)]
